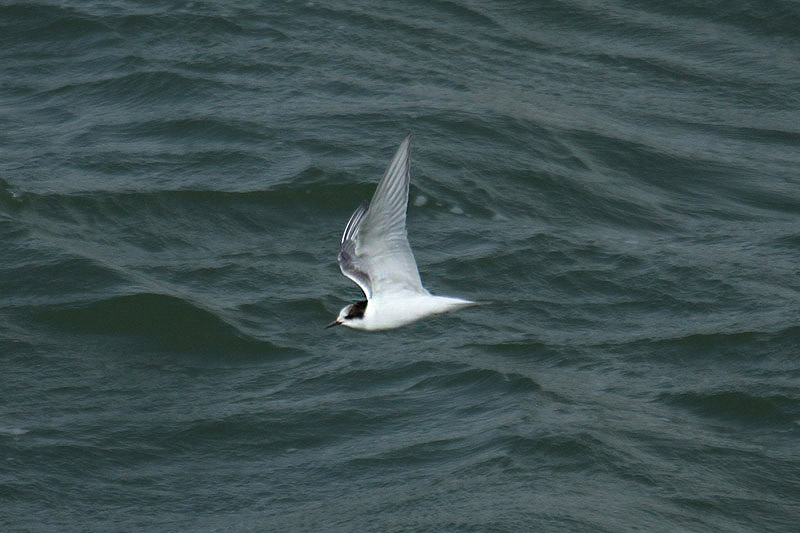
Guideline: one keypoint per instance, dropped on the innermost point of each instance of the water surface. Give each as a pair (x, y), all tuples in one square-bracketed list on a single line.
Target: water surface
[(618, 178)]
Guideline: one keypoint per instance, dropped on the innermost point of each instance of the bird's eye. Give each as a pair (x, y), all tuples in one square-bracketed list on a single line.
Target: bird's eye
[(356, 310)]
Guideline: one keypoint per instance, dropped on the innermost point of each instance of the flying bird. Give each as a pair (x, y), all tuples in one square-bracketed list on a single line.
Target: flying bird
[(375, 254)]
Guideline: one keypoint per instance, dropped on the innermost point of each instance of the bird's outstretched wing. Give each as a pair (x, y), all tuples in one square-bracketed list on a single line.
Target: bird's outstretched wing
[(348, 259), (375, 252)]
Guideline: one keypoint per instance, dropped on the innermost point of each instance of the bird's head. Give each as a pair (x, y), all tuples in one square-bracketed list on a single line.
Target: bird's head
[(350, 315)]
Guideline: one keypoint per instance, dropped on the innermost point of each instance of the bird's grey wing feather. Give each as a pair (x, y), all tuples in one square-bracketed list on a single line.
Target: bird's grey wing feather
[(352, 227), (381, 240), (349, 262)]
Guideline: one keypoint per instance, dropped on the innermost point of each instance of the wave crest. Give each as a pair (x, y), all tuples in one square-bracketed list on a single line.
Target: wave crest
[(165, 319)]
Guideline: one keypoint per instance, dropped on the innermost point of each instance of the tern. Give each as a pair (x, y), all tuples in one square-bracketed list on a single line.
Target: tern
[(375, 254)]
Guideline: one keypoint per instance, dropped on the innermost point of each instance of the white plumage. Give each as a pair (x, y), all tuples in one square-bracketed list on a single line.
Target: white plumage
[(376, 255)]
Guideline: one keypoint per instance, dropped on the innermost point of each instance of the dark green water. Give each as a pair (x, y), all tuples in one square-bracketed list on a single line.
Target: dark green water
[(619, 178)]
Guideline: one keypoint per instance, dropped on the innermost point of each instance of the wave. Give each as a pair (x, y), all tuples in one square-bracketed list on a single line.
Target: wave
[(139, 87), (12, 431), (167, 320), (682, 343), (56, 25), (311, 187), (739, 407), (483, 379)]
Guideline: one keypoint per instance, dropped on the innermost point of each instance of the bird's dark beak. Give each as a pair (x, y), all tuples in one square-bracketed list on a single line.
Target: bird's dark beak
[(334, 323)]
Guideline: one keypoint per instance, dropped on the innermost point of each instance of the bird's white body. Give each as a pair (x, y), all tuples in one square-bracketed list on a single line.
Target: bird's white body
[(375, 254), (398, 309)]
